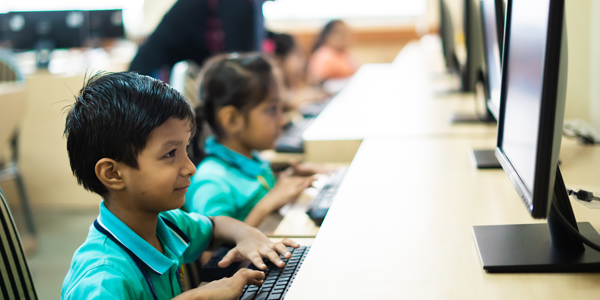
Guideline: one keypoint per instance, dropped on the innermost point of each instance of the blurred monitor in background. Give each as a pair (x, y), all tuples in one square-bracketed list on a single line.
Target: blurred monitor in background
[(105, 24)]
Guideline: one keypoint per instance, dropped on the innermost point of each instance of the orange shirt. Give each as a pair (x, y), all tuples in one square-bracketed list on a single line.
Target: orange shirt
[(327, 63)]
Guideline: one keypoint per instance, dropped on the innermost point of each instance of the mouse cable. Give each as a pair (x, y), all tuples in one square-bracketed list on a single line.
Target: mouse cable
[(572, 229)]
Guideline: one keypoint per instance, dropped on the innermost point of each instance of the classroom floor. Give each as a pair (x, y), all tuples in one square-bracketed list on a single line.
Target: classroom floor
[(59, 235)]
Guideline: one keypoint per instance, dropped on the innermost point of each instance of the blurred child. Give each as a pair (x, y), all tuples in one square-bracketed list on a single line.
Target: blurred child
[(243, 109), (126, 138), (291, 62), (330, 57)]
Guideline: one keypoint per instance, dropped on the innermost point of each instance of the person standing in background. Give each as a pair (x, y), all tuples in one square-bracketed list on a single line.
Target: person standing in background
[(197, 29)]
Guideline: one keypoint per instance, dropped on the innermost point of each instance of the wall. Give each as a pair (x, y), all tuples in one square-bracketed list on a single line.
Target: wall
[(579, 17), (595, 65)]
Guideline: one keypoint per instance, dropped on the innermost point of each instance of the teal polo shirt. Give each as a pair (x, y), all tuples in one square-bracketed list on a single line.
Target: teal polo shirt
[(227, 183), (103, 269)]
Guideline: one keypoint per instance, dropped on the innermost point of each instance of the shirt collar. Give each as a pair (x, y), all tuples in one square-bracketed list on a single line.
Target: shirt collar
[(171, 236), (251, 167)]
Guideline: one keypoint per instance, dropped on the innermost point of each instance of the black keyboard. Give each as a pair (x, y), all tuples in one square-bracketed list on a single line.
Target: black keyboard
[(319, 205), (313, 109), (291, 140), (277, 281)]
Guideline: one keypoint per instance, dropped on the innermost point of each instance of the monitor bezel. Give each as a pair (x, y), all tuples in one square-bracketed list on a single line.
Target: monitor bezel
[(538, 202)]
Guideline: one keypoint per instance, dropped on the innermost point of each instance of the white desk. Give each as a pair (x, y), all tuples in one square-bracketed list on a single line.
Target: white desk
[(390, 100), (406, 232)]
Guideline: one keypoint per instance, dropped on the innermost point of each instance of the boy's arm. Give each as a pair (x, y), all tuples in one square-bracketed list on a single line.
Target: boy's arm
[(250, 243), (226, 288)]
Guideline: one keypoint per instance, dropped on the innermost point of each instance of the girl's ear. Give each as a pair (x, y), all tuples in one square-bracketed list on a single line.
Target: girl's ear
[(231, 120), (107, 171)]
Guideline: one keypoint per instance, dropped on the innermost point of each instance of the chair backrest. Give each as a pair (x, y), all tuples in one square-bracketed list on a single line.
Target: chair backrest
[(184, 78), (12, 109), (9, 71), (15, 277)]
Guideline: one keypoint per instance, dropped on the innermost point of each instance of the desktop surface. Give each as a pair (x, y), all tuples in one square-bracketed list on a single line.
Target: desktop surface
[(389, 100), (414, 238)]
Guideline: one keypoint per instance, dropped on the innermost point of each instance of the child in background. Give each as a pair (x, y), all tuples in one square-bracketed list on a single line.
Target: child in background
[(242, 107), (292, 63), (330, 57), (126, 138)]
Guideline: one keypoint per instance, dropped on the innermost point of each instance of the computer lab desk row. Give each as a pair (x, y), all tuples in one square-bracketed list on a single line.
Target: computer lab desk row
[(407, 98), (401, 224)]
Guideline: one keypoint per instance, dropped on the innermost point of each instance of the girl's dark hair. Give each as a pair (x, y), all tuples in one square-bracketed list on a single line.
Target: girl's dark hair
[(113, 116), (324, 34), (240, 80), (284, 43)]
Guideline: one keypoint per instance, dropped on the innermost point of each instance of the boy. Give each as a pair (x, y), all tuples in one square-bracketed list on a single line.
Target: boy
[(126, 137)]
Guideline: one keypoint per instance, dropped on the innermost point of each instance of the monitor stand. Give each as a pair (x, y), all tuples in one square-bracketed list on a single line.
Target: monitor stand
[(486, 159), (472, 119), (535, 248), (43, 51)]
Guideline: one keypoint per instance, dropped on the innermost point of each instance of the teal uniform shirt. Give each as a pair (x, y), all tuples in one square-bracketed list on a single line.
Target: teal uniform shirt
[(228, 183), (103, 269)]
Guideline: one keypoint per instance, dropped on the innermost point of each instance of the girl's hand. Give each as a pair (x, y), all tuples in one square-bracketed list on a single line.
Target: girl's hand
[(309, 169), (286, 190)]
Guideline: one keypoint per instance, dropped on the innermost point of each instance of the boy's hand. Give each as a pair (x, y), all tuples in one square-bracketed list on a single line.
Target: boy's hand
[(226, 288), (286, 190), (254, 245), (309, 169)]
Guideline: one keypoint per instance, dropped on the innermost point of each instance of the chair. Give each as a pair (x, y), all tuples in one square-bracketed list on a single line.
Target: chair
[(15, 277), (184, 78), (9, 72), (12, 110)]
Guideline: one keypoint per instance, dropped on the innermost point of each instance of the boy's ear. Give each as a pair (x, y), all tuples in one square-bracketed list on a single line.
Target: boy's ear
[(107, 171), (231, 119)]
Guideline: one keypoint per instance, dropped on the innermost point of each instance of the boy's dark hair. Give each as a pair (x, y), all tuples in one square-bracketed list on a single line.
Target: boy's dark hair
[(242, 81), (113, 116)]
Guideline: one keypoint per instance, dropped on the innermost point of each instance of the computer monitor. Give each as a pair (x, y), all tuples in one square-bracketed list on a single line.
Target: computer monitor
[(106, 23), (472, 71), (29, 30), (447, 37), (492, 19), (534, 78), (44, 31), (3, 27)]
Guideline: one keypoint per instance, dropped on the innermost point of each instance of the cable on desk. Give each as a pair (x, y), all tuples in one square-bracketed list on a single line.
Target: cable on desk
[(574, 231), (571, 131)]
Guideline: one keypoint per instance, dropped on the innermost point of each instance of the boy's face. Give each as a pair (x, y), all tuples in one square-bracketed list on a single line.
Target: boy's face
[(161, 181), (264, 123)]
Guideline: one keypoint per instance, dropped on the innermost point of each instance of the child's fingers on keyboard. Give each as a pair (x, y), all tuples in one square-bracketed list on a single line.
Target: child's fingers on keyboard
[(229, 258), (272, 256), (282, 249), (289, 242), (257, 260)]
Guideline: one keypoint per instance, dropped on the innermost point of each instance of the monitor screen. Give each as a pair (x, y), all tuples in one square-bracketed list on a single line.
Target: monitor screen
[(60, 29), (532, 96), (492, 42), (106, 23), (474, 45), (447, 37)]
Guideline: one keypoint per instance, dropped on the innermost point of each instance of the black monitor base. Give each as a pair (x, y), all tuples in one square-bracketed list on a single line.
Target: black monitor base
[(471, 119), (486, 159), (549, 247), (528, 248)]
